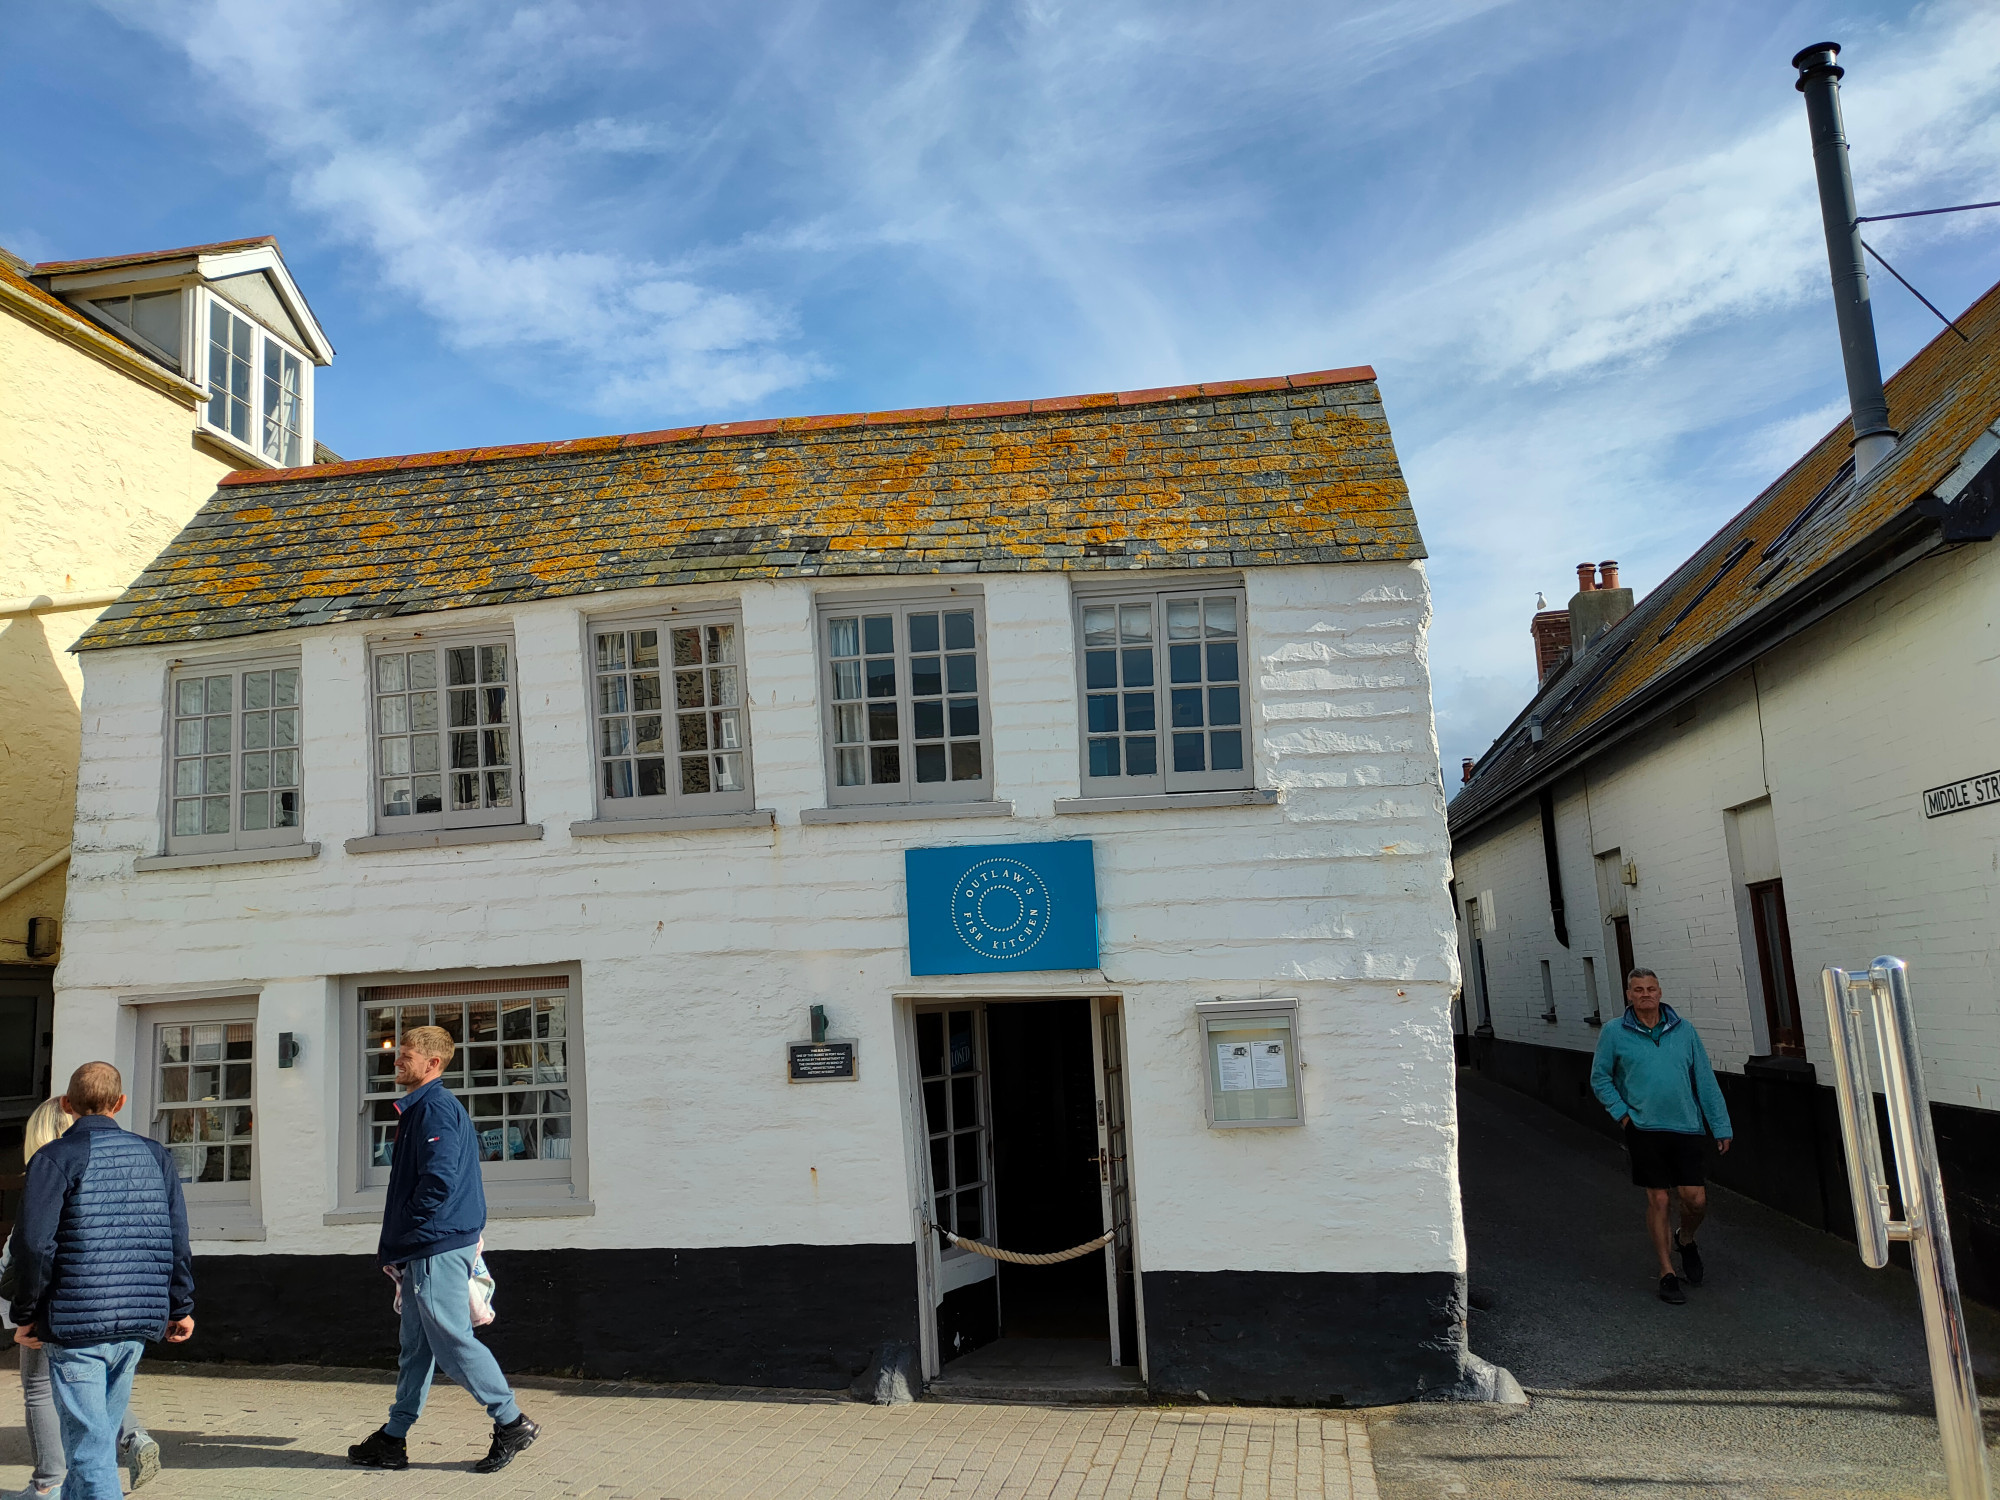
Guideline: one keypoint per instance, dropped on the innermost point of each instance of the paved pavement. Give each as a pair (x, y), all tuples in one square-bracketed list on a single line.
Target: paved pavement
[(262, 1434), (1794, 1371)]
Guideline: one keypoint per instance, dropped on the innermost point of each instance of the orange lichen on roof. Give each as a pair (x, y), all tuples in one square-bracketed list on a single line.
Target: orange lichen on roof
[(147, 257), (1803, 525), (1254, 473)]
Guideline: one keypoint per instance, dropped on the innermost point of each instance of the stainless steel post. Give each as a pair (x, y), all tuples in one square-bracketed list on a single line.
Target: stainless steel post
[(1924, 1224)]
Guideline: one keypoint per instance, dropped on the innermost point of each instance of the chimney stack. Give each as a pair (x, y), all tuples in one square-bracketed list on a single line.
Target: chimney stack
[(1550, 629), (1465, 773), (1599, 603), (1819, 81)]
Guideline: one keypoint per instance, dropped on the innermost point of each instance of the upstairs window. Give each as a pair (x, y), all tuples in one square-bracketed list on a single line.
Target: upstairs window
[(906, 707), (673, 728), (446, 755), (1164, 706), (257, 387), (234, 777)]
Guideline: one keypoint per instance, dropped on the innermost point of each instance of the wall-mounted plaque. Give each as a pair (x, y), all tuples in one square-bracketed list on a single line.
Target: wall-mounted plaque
[(822, 1062)]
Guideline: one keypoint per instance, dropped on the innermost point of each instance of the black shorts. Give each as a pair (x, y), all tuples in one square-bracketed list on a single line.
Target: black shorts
[(1665, 1158)]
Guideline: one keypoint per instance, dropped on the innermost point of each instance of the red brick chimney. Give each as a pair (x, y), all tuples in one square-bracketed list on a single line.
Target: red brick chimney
[(1465, 773), (1607, 574), (1586, 577), (1550, 628)]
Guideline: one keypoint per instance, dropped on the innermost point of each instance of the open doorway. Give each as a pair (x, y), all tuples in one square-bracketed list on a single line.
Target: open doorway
[(1025, 1145)]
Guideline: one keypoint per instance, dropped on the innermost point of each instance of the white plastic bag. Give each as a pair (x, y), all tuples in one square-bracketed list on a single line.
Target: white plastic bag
[(480, 1289)]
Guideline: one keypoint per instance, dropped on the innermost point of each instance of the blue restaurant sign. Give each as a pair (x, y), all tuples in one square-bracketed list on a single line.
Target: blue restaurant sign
[(1000, 908)]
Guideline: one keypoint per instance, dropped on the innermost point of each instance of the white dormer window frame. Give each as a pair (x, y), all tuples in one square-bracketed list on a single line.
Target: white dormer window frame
[(258, 386)]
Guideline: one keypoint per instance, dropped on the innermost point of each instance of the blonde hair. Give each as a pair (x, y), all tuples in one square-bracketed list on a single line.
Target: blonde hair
[(430, 1041), (48, 1121)]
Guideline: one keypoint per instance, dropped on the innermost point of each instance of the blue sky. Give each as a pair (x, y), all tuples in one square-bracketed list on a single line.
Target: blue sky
[(1579, 242)]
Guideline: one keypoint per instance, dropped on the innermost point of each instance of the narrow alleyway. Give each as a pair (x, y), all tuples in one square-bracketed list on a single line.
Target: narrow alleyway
[(1794, 1371)]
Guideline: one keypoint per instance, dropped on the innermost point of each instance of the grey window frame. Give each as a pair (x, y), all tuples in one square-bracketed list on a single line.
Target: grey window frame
[(674, 803), (445, 817), (908, 791), (209, 1204), (235, 668), (1165, 781), (531, 1179)]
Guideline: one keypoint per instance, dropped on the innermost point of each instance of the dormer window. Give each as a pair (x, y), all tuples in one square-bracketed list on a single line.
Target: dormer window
[(256, 387), (229, 320)]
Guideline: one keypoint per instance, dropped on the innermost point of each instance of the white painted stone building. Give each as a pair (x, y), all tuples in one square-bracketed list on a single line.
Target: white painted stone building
[(1783, 758), (610, 755)]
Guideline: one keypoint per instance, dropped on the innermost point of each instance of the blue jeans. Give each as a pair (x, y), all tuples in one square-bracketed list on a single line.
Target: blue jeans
[(91, 1387), (437, 1332), (44, 1428)]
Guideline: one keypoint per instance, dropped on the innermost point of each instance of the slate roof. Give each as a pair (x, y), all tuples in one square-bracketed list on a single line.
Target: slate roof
[(147, 257), (1802, 547), (1251, 473)]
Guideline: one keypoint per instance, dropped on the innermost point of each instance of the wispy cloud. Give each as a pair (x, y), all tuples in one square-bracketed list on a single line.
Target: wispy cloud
[(400, 130)]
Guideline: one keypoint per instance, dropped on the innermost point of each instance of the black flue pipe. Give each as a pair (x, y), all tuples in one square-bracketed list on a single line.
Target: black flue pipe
[(1819, 81)]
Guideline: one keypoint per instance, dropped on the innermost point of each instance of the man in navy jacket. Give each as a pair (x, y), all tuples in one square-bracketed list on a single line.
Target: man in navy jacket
[(431, 1224), (102, 1244)]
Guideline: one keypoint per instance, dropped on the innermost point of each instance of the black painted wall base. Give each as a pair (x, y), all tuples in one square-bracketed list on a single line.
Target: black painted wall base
[(802, 1316), (1787, 1151), (1274, 1338)]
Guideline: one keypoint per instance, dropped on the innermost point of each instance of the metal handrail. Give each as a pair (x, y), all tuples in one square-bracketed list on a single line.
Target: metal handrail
[(1885, 985)]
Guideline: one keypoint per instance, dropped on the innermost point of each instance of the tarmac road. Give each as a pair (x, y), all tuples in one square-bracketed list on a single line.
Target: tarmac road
[(1794, 1371)]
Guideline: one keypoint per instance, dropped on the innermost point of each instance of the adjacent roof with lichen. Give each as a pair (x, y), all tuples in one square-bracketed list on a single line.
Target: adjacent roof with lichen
[(1809, 543), (1248, 473)]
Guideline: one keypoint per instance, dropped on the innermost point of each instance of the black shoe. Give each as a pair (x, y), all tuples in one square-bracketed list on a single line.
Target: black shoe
[(381, 1451), (1691, 1268), (507, 1441), (1670, 1289)]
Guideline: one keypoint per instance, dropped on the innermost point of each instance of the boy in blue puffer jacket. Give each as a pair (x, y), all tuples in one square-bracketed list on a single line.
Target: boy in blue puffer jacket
[(431, 1223), (1653, 1074), (102, 1244)]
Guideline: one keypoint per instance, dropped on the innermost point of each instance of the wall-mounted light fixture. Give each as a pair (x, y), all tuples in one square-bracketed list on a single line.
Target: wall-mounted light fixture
[(288, 1048)]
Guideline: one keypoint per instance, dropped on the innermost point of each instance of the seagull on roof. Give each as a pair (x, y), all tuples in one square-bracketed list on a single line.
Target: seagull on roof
[(1541, 600)]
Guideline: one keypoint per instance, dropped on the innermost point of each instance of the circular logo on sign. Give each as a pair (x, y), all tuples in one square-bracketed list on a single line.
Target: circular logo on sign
[(1000, 908)]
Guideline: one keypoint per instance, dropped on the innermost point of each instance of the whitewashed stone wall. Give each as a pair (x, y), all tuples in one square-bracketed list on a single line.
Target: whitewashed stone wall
[(700, 952), (1842, 728)]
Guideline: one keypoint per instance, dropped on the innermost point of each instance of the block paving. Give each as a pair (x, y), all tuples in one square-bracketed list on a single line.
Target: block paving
[(244, 1434)]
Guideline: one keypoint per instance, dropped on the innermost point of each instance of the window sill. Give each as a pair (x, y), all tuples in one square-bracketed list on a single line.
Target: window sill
[(554, 1208), (1169, 801), (905, 812), (243, 1230), (597, 828), (227, 857), (444, 838)]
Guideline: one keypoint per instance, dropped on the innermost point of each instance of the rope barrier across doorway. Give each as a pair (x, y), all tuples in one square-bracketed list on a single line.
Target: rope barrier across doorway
[(1022, 1257)]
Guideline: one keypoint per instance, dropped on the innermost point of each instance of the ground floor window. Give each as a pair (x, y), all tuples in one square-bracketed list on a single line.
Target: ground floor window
[(195, 1092), (515, 1070)]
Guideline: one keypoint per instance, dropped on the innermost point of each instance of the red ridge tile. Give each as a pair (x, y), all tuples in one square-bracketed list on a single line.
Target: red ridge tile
[(1348, 376)]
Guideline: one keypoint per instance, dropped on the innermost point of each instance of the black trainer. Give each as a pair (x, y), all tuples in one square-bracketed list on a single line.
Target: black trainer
[(1670, 1289), (1691, 1267), (507, 1441), (380, 1451)]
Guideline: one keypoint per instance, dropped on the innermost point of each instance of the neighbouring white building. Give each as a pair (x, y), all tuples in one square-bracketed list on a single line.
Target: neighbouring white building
[(1023, 819), (1784, 757)]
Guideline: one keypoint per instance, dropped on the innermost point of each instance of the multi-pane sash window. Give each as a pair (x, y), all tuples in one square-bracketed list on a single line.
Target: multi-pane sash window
[(256, 385), (233, 748), (512, 1069), (202, 1098), (445, 749), (906, 707), (673, 732), (1164, 706), (232, 355)]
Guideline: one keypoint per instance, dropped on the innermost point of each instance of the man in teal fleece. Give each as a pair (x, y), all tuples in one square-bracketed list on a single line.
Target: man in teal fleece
[(1653, 1074)]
